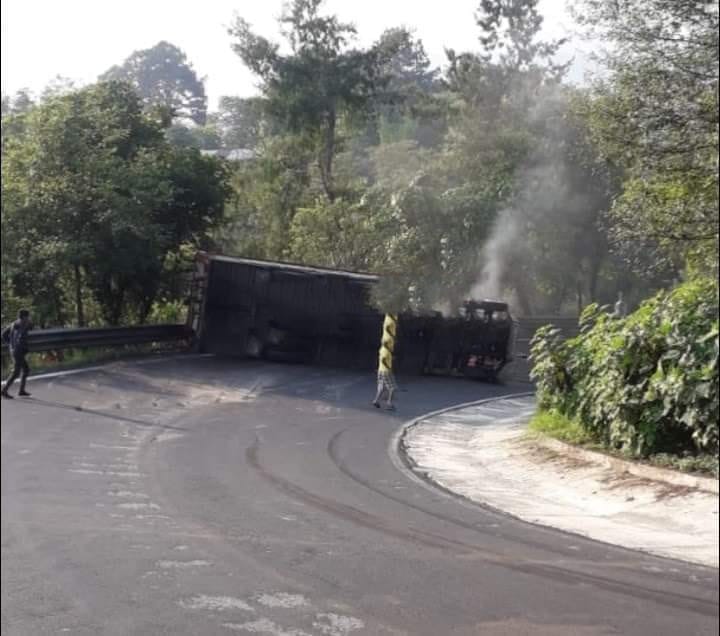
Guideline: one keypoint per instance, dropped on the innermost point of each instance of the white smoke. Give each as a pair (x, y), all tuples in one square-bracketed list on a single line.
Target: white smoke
[(504, 237)]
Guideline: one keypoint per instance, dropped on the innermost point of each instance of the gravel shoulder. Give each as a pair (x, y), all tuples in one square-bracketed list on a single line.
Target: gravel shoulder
[(481, 452)]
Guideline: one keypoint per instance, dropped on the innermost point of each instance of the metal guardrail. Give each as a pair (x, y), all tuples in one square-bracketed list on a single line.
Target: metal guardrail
[(57, 339)]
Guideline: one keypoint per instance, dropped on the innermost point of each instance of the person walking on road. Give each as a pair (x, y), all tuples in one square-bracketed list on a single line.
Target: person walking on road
[(386, 386), (16, 338)]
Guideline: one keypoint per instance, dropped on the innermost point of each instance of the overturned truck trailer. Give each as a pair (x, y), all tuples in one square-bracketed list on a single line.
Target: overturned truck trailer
[(292, 313)]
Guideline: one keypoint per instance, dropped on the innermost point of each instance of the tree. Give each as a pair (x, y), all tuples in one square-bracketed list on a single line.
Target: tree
[(21, 102), (408, 104), (268, 191), (165, 80), (450, 211), (656, 115), (241, 121), (509, 32), (13, 109), (318, 85), (94, 195)]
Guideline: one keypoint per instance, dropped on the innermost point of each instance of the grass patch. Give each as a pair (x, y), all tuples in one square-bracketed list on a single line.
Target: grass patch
[(554, 424), (558, 426)]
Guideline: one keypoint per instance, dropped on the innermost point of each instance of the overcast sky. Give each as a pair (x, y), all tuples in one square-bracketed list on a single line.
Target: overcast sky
[(79, 39)]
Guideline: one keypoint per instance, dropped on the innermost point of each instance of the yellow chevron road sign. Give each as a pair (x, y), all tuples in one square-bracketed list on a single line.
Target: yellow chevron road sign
[(387, 348)]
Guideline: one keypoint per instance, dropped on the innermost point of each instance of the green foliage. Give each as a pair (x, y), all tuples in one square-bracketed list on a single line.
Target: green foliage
[(267, 193), (380, 163), (168, 312), (645, 384), (241, 122), (321, 81), (656, 115), (510, 28), (206, 137), (95, 199), (340, 234)]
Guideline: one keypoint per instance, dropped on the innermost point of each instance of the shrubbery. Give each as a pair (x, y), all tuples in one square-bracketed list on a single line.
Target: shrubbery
[(644, 384)]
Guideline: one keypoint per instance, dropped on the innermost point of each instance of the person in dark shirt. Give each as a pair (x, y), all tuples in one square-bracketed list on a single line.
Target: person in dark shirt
[(17, 341)]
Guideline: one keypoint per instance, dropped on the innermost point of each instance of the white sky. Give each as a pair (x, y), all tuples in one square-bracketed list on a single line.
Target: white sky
[(80, 39)]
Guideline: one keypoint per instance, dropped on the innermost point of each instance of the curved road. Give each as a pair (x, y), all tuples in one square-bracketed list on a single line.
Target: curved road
[(201, 496)]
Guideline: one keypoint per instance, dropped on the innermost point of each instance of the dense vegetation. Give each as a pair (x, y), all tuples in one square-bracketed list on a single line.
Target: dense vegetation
[(648, 384), (489, 176), (98, 209), (644, 384)]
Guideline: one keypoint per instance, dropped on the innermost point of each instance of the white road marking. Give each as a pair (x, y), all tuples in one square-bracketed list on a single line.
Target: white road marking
[(215, 603), (281, 599), (264, 626), (111, 447), (337, 624), (169, 436), (137, 505), (179, 565), (85, 471), (127, 494)]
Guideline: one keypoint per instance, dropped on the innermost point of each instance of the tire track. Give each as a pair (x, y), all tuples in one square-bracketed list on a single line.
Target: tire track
[(685, 602)]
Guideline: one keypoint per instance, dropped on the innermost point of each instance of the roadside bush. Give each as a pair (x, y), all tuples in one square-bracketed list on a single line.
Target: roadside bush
[(167, 312), (644, 384)]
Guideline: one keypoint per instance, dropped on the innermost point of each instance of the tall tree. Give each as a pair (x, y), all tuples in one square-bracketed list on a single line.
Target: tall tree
[(656, 114), (320, 82), (407, 104), (165, 80), (509, 31)]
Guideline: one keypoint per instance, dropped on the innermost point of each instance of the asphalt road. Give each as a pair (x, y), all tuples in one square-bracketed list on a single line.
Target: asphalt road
[(201, 496)]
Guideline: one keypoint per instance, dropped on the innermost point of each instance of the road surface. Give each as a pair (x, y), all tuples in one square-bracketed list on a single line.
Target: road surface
[(202, 496)]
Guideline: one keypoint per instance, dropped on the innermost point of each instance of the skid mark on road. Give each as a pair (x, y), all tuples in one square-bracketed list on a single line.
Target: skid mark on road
[(349, 513), (541, 569)]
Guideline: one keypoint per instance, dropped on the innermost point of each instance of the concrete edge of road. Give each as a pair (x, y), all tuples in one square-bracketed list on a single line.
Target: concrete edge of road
[(403, 462), (645, 471), (398, 451)]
